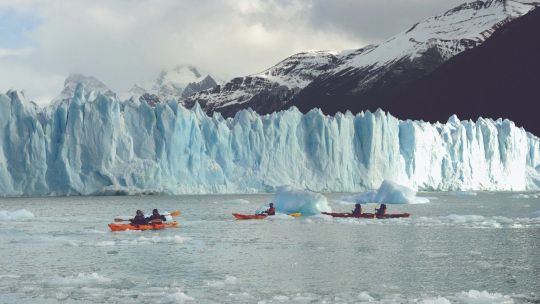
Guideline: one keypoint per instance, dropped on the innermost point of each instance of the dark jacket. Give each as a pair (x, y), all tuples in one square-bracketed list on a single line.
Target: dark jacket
[(156, 217), (139, 220), (381, 210)]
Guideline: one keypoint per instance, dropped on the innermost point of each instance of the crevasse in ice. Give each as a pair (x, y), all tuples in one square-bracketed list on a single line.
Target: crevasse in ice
[(94, 144)]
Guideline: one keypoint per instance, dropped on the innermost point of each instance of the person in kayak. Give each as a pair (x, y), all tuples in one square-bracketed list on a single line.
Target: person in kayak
[(156, 218), (381, 210), (357, 210), (139, 219), (271, 210)]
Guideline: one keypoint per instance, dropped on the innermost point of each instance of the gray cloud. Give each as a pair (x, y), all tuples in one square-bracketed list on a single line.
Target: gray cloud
[(124, 42), (374, 20)]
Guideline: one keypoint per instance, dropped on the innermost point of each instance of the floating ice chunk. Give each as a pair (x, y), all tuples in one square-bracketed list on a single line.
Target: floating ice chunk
[(80, 280), (288, 200), (388, 193), (21, 214), (482, 297), (530, 195), (365, 297), (437, 300), (463, 193), (178, 297), (229, 280)]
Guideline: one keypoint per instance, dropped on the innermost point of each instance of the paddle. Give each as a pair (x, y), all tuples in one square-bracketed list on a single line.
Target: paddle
[(173, 214), (295, 214)]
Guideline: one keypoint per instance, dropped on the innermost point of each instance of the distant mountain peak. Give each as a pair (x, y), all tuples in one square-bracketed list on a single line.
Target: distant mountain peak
[(175, 83), (82, 84)]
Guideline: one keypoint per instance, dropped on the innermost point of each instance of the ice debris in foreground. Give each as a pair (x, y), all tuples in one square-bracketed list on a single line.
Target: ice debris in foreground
[(388, 193), (94, 144), (21, 214)]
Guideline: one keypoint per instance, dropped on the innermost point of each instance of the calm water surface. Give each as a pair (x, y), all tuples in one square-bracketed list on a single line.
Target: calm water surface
[(456, 249)]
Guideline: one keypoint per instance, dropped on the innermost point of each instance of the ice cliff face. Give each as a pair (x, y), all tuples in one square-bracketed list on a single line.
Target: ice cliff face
[(102, 145)]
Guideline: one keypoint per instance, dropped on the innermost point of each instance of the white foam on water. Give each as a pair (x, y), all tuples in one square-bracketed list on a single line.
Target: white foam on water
[(170, 239), (280, 216), (465, 297), (17, 215)]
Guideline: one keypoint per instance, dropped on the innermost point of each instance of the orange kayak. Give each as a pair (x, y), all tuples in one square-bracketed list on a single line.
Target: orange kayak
[(123, 227), (240, 216)]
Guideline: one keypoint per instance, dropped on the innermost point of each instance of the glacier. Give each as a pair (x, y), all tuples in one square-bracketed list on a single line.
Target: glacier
[(94, 144)]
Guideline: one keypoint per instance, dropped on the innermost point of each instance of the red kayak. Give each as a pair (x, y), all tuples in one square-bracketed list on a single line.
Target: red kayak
[(368, 215), (240, 216), (123, 227)]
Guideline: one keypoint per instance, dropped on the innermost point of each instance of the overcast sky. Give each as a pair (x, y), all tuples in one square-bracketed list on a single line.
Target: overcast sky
[(128, 41)]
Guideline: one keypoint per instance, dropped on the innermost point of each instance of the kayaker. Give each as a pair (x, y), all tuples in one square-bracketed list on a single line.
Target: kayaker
[(381, 210), (357, 210), (271, 210), (156, 218), (139, 219)]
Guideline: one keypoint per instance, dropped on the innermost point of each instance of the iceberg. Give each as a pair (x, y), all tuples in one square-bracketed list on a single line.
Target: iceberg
[(388, 193), (93, 144), (289, 200)]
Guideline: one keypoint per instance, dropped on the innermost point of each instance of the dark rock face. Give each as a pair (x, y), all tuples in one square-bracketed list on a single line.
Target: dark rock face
[(359, 89), (207, 83), (498, 79), (151, 99), (258, 93)]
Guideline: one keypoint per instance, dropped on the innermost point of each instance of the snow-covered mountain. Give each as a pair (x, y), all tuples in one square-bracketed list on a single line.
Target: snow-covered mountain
[(102, 145), (314, 77), (496, 79), (179, 82), (91, 83)]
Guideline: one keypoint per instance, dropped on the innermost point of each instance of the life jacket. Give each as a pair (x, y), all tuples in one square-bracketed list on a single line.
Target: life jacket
[(271, 211), (157, 217), (139, 220), (357, 212), (382, 210)]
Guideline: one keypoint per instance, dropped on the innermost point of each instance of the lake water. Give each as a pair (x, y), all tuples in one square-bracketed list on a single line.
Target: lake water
[(459, 248)]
